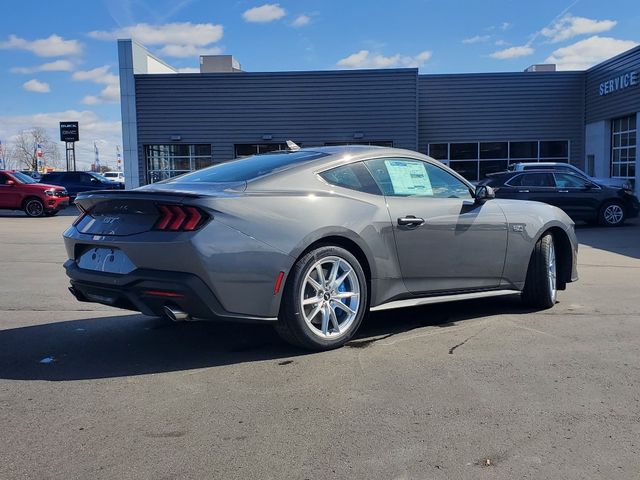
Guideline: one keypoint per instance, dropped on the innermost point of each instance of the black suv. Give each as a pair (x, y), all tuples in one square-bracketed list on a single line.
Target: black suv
[(581, 199), (76, 182)]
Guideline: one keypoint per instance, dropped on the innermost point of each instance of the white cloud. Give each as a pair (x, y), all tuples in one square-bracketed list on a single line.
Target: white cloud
[(477, 39), (56, 66), (588, 52), (186, 33), (301, 21), (100, 75), (37, 86), (505, 26), (106, 134), (188, 50), (53, 46), (364, 59), (176, 39), (568, 26), (512, 52), (501, 43), (264, 13)]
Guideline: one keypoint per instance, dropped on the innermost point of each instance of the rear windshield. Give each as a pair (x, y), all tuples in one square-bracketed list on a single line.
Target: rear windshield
[(247, 168)]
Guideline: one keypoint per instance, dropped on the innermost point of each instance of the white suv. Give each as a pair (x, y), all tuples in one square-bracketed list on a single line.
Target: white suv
[(567, 167), (114, 176)]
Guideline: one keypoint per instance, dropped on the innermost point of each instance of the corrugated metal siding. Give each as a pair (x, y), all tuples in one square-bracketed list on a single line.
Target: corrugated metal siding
[(503, 106), (308, 107), (615, 104)]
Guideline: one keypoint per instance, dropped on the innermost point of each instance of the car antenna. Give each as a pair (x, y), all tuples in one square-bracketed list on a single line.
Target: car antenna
[(293, 146)]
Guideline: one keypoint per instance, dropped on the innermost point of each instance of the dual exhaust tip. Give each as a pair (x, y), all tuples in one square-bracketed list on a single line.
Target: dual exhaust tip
[(176, 315)]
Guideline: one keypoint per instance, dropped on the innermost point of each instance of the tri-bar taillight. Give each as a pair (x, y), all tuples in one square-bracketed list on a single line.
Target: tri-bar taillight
[(179, 218)]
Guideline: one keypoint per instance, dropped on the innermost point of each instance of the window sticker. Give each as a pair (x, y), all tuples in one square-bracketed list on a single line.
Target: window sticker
[(409, 177)]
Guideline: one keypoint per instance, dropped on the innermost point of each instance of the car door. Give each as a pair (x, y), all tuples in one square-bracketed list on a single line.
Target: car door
[(9, 194), (578, 197), (535, 186), (445, 241)]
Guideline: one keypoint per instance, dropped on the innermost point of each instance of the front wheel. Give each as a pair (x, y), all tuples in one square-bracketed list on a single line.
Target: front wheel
[(540, 288), (611, 214), (34, 207), (324, 301)]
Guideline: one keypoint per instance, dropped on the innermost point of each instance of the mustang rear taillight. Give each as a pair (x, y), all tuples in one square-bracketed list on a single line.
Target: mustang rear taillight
[(180, 218)]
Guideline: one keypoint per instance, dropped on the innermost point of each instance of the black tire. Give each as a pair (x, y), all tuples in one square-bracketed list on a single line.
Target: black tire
[(293, 327), (538, 291), (611, 214), (51, 213), (33, 207)]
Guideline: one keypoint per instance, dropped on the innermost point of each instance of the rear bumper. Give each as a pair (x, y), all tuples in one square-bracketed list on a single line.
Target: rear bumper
[(149, 291)]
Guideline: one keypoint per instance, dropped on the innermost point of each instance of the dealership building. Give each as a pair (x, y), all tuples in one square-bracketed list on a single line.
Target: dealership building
[(476, 123)]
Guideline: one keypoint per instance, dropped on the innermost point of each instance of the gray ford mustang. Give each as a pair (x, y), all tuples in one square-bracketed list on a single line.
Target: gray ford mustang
[(313, 239)]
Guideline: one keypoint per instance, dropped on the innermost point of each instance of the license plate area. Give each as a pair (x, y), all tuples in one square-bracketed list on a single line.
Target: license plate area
[(105, 259)]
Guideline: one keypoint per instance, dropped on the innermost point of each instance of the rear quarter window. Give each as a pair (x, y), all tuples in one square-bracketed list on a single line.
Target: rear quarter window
[(354, 176)]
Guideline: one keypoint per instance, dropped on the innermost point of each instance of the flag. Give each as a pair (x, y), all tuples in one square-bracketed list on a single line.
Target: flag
[(39, 151)]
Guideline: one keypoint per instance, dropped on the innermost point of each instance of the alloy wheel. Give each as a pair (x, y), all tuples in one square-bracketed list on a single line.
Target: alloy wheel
[(330, 297), (613, 214), (34, 208), (552, 273)]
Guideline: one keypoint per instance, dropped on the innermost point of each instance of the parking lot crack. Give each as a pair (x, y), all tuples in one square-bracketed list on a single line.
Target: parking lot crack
[(451, 350)]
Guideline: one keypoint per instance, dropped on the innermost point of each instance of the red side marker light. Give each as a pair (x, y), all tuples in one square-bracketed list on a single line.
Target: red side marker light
[(276, 289), (161, 293)]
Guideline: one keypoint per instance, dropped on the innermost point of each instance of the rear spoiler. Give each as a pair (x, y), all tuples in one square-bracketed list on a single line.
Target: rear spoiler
[(88, 200)]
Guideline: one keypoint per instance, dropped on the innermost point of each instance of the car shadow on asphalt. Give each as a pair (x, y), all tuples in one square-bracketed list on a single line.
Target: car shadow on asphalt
[(126, 345), (622, 240)]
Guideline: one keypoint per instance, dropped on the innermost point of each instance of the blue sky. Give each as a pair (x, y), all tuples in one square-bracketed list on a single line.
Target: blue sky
[(59, 60)]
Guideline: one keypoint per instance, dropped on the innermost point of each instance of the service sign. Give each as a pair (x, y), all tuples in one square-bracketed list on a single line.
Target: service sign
[(69, 132), (622, 81)]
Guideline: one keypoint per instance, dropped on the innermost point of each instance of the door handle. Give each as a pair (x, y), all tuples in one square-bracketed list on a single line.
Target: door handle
[(563, 191), (523, 191), (410, 220)]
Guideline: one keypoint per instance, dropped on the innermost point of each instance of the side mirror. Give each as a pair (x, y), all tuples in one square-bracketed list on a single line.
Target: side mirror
[(95, 180), (484, 193), (11, 183)]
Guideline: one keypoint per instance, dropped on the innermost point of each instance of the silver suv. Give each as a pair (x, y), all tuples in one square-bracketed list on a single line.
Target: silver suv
[(567, 167)]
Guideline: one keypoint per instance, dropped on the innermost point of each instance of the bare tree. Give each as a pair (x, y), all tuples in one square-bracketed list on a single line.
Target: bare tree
[(25, 149)]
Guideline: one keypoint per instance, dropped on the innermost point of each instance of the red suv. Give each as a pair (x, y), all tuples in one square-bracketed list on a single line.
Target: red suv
[(21, 192)]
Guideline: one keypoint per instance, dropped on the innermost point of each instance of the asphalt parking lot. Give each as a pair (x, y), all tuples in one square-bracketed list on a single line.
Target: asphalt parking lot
[(479, 389)]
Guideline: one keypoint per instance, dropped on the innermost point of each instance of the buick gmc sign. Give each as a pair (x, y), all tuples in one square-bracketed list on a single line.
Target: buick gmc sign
[(620, 82)]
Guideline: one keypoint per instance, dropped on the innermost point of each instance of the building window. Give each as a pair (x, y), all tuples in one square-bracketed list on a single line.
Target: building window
[(247, 149), (475, 160), (374, 143), (166, 161), (624, 148)]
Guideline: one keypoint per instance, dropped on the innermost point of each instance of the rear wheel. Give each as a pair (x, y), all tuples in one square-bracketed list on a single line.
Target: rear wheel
[(611, 214), (33, 207), (325, 299), (540, 288)]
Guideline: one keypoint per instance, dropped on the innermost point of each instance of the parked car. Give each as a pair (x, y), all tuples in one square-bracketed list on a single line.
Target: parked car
[(567, 167), (310, 240), (580, 198), (114, 176), (76, 182), (21, 192)]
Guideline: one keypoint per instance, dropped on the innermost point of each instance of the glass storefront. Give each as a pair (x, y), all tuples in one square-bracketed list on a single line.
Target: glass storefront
[(166, 161), (475, 160)]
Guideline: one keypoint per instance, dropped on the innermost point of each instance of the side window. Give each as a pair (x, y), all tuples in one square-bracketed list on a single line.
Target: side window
[(404, 177), (85, 179), (564, 180), (3, 179), (354, 176), (537, 180)]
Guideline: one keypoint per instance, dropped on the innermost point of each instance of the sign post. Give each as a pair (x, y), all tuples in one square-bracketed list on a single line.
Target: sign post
[(70, 134)]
